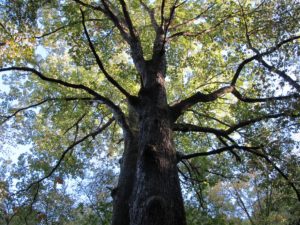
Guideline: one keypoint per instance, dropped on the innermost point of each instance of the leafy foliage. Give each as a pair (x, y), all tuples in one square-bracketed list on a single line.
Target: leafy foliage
[(206, 43)]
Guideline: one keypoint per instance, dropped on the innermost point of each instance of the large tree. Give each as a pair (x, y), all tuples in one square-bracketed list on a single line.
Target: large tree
[(209, 84)]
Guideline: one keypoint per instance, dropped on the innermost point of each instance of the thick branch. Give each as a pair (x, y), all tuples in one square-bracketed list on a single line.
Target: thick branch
[(185, 104)]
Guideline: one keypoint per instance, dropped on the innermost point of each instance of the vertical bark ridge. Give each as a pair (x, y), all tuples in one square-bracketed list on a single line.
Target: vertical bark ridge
[(121, 194), (156, 198)]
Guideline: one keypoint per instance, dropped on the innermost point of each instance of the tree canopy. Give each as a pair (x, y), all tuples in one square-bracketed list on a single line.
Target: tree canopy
[(231, 73)]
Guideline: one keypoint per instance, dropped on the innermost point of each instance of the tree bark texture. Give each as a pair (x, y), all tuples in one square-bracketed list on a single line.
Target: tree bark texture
[(155, 193)]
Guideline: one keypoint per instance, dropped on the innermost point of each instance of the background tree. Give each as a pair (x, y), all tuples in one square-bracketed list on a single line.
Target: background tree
[(95, 81)]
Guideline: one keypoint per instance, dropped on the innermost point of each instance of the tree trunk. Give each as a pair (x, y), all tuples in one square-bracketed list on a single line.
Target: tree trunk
[(155, 192), (156, 198), (121, 194)]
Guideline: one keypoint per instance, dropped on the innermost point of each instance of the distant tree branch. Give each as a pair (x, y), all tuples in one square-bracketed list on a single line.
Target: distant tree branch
[(99, 62), (70, 148)]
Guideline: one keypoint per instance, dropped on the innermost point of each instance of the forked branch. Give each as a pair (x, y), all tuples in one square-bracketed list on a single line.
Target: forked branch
[(185, 104)]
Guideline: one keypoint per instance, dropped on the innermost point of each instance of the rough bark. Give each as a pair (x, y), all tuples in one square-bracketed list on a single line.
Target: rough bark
[(156, 198), (121, 194)]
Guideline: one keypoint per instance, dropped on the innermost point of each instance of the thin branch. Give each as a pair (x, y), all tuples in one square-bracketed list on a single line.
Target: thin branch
[(128, 19), (239, 96), (285, 176), (70, 148), (117, 21), (258, 56), (162, 13), (65, 26), (186, 127), (99, 62), (170, 19), (40, 103), (265, 117), (217, 151), (189, 21), (118, 114), (98, 8), (196, 34), (151, 15), (209, 117), (76, 123), (281, 73), (243, 206)]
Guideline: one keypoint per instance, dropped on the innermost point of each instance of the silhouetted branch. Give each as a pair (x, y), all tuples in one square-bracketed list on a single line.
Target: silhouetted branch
[(99, 62), (258, 56), (185, 104), (42, 102), (151, 15), (70, 148), (217, 151), (285, 176), (118, 114), (239, 96)]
